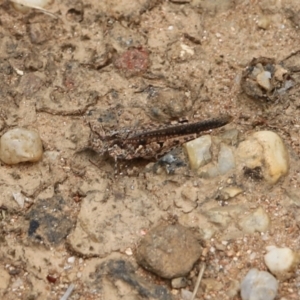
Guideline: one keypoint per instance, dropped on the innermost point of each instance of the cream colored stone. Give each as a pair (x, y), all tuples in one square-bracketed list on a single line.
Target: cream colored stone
[(279, 72), (256, 221), (263, 79), (282, 262), (25, 5), (230, 192), (266, 150), (198, 151), (20, 145)]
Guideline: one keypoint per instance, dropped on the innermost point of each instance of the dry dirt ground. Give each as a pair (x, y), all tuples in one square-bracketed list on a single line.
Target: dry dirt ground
[(129, 63)]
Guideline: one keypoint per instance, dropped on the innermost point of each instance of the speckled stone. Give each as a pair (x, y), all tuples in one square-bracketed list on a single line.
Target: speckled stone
[(162, 251)]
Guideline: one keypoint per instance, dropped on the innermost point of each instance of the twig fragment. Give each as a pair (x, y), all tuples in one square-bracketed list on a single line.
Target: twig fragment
[(200, 275)]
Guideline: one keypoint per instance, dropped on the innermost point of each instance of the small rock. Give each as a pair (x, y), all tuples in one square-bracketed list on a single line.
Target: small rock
[(186, 294), (281, 261), (263, 22), (120, 280), (24, 8), (226, 159), (209, 171), (128, 251), (230, 136), (133, 62), (19, 198), (198, 151), (257, 221), (212, 284), (71, 260), (222, 216), (178, 283), (264, 150), (280, 72), (230, 192), (263, 79), (49, 221), (20, 145), (233, 289), (169, 251), (259, 285)]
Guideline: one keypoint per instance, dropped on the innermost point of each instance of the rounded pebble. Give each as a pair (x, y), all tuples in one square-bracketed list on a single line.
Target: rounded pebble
[(259, 285), (178, 283), (71, 260), (281, 261), (20, 145), (162, 251)]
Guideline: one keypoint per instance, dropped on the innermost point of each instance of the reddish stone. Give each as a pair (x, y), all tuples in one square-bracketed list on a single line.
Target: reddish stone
[(133, 62)]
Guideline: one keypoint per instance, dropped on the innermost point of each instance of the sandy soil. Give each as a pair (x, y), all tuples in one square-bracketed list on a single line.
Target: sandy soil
[(130, 63)]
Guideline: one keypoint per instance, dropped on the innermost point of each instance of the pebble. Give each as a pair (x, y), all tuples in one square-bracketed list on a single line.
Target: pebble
[(186, 294), (226, 160), (178, 283), (71, 260), (169, 251), (19, 198), (230, 136), (264, 150), (209, 171), (230, 192), (29, 3), (263, 22), (281, 262), (198, 151), (256, 221), (259, 285), (20, 145), (129, 252), (280, 72), (263, 79)]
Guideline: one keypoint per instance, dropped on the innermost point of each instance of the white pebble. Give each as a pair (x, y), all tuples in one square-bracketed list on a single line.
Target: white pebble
[(281, 261), (129, 251), (71, 260), (20, 145), (259, 285)]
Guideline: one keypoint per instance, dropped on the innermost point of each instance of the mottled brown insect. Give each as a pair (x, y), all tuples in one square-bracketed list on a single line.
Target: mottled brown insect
[(148, 142)]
